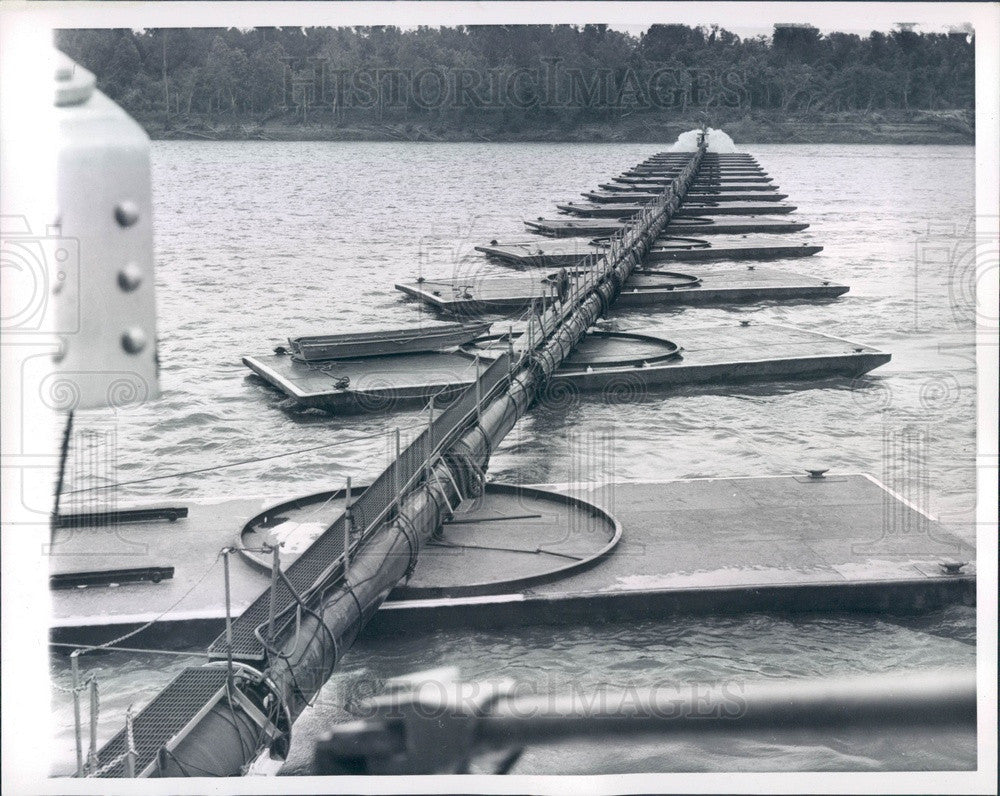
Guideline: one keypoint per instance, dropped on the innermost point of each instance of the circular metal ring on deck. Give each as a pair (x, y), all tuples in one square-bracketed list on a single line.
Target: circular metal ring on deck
[(553, 276), (461, 561), (683, 243), (489, 347), (448, 567), (664, 350), (699, 221), (254, 534), (653, 279)]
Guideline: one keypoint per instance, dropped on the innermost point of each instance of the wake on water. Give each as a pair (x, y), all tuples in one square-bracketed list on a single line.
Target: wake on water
[(718, 141)]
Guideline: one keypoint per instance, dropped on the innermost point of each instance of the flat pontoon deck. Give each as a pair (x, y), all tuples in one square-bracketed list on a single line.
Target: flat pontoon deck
[(702, 225), (795, 543), (716, 284), (665, 176), (718, 356), (699, 186), (716, 196), (572, 251), (706, 207)]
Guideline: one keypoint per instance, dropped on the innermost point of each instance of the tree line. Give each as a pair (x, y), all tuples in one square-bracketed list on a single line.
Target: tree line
[(507, 76)]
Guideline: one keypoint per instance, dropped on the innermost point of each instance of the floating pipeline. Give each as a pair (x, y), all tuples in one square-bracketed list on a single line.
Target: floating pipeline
[(260, 708)]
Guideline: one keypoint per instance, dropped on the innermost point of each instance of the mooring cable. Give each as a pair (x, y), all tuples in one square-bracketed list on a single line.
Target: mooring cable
[(154, 620), (143, 650), (234, 464)]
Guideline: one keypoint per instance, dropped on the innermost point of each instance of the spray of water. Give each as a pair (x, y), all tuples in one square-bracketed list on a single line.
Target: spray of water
[(718, 141)]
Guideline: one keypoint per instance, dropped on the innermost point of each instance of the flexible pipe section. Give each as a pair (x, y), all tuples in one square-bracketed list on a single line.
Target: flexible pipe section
[(218, 744)]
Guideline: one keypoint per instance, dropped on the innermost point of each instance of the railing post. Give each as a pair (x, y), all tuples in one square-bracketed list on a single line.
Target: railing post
[(272, 613), (74, 666), (510, 353), (94, 711), (479, 395), (397, 487), (430, 438), (348, 522), (229, 615)]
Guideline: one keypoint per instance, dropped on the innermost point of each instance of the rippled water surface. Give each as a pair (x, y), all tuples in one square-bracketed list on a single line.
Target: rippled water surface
[(259, 241)]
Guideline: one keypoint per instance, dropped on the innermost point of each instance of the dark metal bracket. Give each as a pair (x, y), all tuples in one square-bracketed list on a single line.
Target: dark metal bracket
[(95, 519), (106, 577)]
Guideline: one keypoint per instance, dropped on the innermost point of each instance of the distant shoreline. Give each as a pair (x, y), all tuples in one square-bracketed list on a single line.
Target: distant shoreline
[(898, 127)]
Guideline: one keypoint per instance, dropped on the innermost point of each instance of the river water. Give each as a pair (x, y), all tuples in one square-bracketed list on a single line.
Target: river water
[(259, 241)]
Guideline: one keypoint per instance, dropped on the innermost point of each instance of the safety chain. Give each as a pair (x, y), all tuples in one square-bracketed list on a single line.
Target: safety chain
[(107, 766), (129, 749), (95, 713), (129, 734)]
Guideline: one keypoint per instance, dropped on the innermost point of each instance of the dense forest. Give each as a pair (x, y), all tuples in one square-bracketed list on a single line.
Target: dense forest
[(498, 81)]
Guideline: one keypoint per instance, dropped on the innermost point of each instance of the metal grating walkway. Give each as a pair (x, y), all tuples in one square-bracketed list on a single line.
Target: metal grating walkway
[(191, 694)]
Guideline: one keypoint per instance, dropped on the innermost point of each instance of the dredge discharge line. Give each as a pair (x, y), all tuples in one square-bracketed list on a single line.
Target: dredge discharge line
[(321, 621)]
